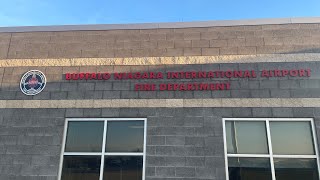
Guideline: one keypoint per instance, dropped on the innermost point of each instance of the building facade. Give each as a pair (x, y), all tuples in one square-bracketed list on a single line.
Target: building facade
[(218, 100)]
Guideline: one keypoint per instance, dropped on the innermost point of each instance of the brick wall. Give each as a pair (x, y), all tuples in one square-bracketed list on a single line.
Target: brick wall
[(58, 88), (256, 39), (182, 143)]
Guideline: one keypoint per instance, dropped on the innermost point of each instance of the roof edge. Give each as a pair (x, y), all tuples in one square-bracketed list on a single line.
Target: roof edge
[(97, 27)]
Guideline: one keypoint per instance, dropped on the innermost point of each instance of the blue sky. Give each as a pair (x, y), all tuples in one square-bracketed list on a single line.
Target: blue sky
[(61, 12)]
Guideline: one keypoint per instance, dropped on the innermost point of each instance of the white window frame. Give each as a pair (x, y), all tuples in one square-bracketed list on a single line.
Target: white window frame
[(103, 153), (271, 156)]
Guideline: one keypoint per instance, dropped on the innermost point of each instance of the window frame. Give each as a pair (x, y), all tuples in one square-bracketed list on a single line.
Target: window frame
[(271, 156), (103, 152)]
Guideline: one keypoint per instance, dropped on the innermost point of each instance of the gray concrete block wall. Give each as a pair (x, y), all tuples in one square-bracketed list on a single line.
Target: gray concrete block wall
[(261, 87), (30, 143), (182, 143)]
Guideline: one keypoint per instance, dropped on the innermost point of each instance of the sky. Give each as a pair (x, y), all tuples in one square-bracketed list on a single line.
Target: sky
[(68, 12)]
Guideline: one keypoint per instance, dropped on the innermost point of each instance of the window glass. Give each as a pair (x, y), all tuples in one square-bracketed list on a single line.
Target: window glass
[(123, 168), (249, 169), (84, 149), (293, 156), (231, 142), (296, 169), (84, 136), (125, 136), (81, 167), (246, 137), (291, 138)]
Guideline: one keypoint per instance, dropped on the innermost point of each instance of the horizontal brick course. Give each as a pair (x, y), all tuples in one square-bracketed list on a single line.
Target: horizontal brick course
[(265, 38)]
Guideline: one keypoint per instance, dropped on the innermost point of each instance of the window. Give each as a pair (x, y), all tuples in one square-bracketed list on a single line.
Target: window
[(104, 149), (270, 149)]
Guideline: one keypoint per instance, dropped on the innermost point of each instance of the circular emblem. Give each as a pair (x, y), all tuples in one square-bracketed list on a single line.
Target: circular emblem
[(32, 82)]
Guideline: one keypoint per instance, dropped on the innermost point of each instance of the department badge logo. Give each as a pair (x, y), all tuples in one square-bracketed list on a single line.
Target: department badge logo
[(32, 82)]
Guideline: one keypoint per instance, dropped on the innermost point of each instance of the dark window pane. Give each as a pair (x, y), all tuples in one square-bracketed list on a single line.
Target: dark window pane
[(81, 167), (84, 136), (249, 169), (125, 136), (246, 137), (296, 169), (291, 138), (123, 168)]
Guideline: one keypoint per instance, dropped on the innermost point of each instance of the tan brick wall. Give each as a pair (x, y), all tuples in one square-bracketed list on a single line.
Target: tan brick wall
[(4, 44), (233, 40)]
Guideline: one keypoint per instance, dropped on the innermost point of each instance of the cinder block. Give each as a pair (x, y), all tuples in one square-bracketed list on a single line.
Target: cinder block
[(304, 93), (121, 86), (279, 93), (228, 50), (254, 41), (150, 171), (76, 95), (174, 52), (269, 84), (289, 84), (236, 42), (175, 161), (165, 94), (303, 112), (266, 49), (102, 86), (123, 53), (132, 45), (74, 112), (157, 53), (271, 41), (156, 140), (165, 172), (202, 94), (58, 95), (311, 83), (158, 36), (129, 94), (155, 161), (206, 173), (242, 112), (165, 44), (182, 43), (4, 51), (192, 51), (282, 112), (247, 50), (286, 49), (110, 112), (111, 94), (240, 93), (210, 35), (175, 36), (195, 141), (128, 112), (192, 36), (262, 112), (151, 95), (175, 140), (218, 43), (200, 43), (185, 172), (92, 112), (195, 161), (149, 44)]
